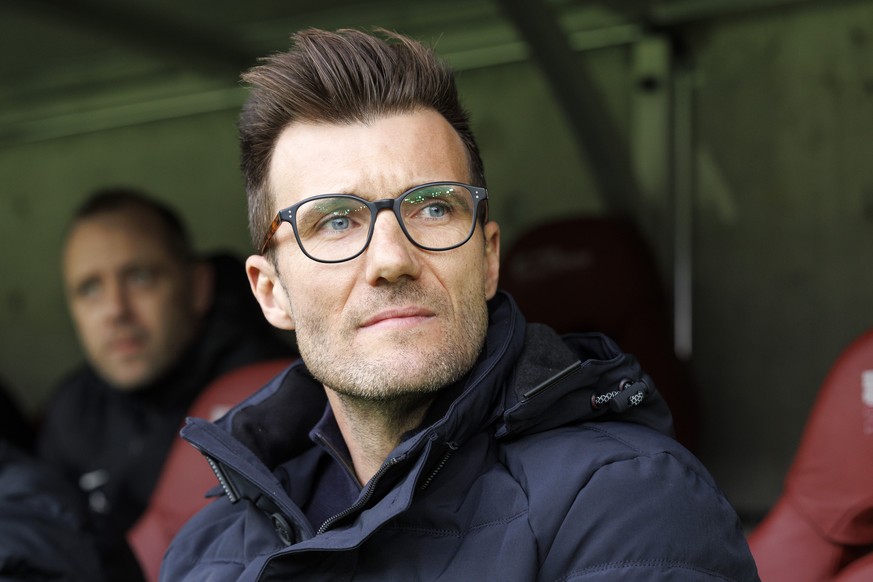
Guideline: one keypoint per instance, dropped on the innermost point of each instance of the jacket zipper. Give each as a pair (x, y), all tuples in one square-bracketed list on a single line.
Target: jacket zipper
[(448, 455), (362, 501)]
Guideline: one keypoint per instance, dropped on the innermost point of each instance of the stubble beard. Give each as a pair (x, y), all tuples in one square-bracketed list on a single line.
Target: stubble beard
[(406, 379)]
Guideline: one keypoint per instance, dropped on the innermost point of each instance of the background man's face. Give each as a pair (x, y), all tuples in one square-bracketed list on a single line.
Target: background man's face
[(397, 319), (131, 300)]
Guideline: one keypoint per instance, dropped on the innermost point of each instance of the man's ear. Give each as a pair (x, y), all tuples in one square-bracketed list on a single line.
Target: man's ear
[(268, 290), (202, 286), (492, 258)]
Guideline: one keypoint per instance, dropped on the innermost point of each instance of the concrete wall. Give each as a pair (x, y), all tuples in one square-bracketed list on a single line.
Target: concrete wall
[(783, 232)]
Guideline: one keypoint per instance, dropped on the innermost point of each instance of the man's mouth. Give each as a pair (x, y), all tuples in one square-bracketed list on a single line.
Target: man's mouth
[(126, 346), (398, 317)]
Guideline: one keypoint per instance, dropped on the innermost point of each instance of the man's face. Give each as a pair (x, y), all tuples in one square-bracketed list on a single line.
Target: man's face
[(396, 320), (132, 301)]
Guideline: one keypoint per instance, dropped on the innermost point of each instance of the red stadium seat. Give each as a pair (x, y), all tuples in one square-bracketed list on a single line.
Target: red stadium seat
[(822, 524), (186, 476), (858, 571)]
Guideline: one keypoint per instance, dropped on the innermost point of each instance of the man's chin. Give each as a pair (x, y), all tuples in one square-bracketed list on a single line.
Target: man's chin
[(397, 344), (128, 380), (126, 385)]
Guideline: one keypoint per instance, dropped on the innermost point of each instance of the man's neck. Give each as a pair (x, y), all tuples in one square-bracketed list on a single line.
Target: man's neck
[(371, 430)]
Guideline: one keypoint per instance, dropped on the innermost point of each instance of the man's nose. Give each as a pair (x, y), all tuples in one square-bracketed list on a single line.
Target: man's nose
[(117, 301), (390, 255)]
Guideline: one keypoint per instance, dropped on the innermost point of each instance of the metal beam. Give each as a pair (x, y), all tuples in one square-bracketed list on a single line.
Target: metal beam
[(582, 103)]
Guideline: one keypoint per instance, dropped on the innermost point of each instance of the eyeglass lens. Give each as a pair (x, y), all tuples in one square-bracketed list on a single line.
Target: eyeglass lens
[(436, 217)]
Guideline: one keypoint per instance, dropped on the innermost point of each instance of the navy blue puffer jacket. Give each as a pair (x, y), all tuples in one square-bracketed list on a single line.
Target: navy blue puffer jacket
[(553, 464)]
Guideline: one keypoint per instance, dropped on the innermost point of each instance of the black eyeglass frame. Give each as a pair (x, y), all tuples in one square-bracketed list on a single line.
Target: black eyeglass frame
[(289, 215)]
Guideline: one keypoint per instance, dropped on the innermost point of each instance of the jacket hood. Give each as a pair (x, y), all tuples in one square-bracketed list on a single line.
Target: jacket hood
[(531, 380), (580, 377)]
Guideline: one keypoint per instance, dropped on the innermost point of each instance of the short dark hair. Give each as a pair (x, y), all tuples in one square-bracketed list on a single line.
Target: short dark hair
[(112, 199), (340, 77)]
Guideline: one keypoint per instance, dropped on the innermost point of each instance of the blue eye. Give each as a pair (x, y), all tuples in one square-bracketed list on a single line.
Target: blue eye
[(436, 209), (331, 216), (440, 203), (338, 223)]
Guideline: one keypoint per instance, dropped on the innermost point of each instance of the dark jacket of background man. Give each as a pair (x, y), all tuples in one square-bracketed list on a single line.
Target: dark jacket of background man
[(43, 533)]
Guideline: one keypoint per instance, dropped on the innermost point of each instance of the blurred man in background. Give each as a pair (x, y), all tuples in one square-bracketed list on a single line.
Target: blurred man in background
[(156, 325)]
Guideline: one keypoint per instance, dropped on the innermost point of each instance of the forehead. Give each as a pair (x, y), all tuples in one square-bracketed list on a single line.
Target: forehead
[(377, 159), (113, 240)]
